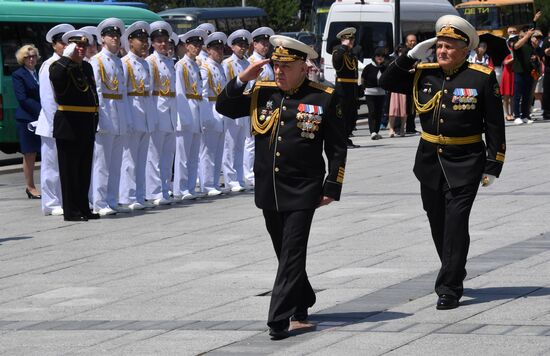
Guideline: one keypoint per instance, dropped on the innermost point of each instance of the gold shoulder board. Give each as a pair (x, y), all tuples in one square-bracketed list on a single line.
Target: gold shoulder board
[(266, 84), (480, 68), (322, 87), (427, 66)]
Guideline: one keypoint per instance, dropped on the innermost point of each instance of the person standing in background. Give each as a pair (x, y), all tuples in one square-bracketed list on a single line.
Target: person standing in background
[(374, 94), (410, 41)]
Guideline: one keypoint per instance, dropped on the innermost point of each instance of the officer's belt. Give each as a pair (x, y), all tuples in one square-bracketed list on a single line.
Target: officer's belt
[(170, 94), (444, 140), (137, 93), (112, 96), (212, 98), (346, 80), (193, 96), (77, 108)]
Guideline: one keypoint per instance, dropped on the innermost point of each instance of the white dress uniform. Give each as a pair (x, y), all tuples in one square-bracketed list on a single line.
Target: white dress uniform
[(50, 185), (233, 171), (113, 126), (188, 139), (211, 151), (162, 145), (267, 74), (209, 28), (136, 147)]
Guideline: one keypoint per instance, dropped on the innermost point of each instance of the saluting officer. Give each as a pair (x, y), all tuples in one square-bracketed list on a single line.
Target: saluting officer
[(113, 121), (345, 64), (162, 144), (138, 87), (457, 103), (233, 150), (50, 184), (188, 140), (213, 81), (210, 29), (293, 120), (75, 124), (260, 42)]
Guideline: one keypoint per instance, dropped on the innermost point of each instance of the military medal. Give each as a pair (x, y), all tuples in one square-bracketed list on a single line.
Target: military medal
[(309, 117)]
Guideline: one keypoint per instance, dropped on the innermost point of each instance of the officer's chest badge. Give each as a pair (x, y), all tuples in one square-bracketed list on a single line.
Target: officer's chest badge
[(309, 117), (464, 99), (267, 112), (269, 105), (427, 88)]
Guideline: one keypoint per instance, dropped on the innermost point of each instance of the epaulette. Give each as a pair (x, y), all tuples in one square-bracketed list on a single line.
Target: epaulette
[(427, 66), (266, 84), (480, 68), (322, 87)]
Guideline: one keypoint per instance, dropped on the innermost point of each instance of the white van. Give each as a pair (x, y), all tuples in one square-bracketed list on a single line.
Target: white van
[(374, 21)]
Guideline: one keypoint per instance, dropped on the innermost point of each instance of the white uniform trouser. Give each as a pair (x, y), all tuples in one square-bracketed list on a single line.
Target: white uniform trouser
[(158, 172), (233, 150), (248, 160), (186, 163), (106, 173), (50, 185), (211, 160), (134, 160)]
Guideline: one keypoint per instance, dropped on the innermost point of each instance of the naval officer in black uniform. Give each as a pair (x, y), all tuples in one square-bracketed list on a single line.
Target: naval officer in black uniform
[(75, 124), (293, 120), (457, 102), (345, 64)]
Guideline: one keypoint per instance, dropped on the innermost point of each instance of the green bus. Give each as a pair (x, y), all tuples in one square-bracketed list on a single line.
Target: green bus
[(23, 22)]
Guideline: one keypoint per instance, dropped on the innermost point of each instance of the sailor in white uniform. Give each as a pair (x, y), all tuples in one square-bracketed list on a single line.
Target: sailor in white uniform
[(233, 173), (260, 41), (162, 144), (114, 125), (138, 86), (91, 49), (188, 139), (209, 28), (213, 82), (50, 184)]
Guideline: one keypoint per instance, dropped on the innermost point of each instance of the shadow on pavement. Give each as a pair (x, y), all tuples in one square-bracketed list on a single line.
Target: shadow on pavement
[(14, 238), (357, 317), (485, 295)]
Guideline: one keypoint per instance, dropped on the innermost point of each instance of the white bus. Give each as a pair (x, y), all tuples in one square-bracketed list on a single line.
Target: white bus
[(374, 21)]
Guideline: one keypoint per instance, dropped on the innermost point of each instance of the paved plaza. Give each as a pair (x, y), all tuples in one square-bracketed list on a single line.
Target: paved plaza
[(195, 278)]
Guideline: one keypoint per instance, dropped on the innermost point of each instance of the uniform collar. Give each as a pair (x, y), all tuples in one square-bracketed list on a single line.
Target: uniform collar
[(133, 55), (293, 91), (108, 53), (160, 56), (189, 60), (460, 68), (257, 55), (235, 58)]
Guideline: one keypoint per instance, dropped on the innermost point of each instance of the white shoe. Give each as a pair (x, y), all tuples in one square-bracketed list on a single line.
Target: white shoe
[(106, 211), (147, 205), (518, 121), (527, 121), (122, 208), (213, 193), (374, 136), (378, 136), (57, 212), (237, 189), (188, 196), (136, 206), (161, 201)]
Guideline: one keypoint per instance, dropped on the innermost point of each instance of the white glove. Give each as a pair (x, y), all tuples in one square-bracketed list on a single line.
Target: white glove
[(422, 50), (69, 50), (487, 180)]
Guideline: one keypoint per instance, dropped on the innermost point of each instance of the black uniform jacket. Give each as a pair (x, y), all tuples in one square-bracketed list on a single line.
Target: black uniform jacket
[(345, 64), (289, 168), (74, 85), (470, 104)]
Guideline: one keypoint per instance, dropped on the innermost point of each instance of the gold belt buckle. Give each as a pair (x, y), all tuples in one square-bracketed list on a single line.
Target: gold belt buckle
[(442, 140)]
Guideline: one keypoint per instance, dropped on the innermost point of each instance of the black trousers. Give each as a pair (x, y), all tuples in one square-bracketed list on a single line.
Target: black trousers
[(546, 94), (75, 169), (375, 103), (448, 211), (411, 116), (348, 105), (292, 293)]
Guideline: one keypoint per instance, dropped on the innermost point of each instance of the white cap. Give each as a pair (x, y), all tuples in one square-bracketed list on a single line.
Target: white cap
[(346, 33), (289, 49), (138, 26), (239, 35), (160, 28), (193, 35), (216, 37), (458, 28), (262, 32), (92, 30), (77, 35), (174, 38), (208, 27), (110, 24), (57, 30)]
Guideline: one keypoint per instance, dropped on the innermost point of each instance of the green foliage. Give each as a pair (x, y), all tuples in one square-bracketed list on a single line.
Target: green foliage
[(544, 21)]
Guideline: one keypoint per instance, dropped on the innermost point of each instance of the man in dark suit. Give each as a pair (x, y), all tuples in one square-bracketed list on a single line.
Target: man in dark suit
[(457, 103), (75, 124), (293, 121)]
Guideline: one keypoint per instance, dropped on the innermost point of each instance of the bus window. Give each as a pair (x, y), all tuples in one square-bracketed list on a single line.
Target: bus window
[(368, 36), (221, 25), (251, 23), (15, 35), (234, 24)]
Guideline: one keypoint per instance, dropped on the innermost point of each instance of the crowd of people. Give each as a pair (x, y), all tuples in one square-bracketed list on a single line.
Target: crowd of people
[(158, 138)]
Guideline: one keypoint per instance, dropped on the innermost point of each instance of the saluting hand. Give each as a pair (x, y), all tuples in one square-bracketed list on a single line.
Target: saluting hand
[(69, 50), (422, 50), (252, 71)]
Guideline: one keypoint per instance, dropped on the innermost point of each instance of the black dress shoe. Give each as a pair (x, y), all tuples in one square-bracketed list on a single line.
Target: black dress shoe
[(75, 218), (92, 216), (278, 334), (446, 302), (31, 195)]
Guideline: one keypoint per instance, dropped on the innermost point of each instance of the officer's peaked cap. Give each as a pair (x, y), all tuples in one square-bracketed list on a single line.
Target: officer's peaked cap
[(456, 27), (112, 24), (79, 36), (215, 38), (262, 32), (92, 30), (208, 27), (289, 49), (348, 32), (194, 36), (160, 28), (56, 32), (239, 36)]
